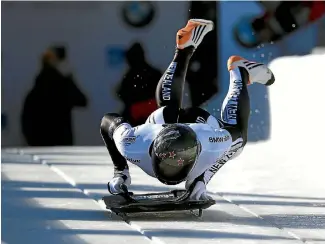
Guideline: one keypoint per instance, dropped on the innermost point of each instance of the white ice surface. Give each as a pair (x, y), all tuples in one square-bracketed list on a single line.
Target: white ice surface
[(273, 193)]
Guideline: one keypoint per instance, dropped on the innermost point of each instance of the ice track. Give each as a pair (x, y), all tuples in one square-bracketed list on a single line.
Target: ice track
[(273, 193)]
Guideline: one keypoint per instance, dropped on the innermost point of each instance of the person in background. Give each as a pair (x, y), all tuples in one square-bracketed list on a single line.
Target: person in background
[(137, 88), (46, 117)]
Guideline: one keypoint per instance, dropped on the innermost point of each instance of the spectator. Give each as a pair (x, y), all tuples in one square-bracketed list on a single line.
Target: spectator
[(46, 116), (137, 88)]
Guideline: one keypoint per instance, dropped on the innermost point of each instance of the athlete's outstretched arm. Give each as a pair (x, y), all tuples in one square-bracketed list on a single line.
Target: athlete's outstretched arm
[(126, 143), (110, 122)]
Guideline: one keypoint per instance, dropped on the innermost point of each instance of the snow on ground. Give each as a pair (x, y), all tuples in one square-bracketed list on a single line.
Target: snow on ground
[(273, 193)]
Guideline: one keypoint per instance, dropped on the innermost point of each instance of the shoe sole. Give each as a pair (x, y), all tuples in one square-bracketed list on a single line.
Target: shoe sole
[(234, 59), (205, 22), (197, 22)]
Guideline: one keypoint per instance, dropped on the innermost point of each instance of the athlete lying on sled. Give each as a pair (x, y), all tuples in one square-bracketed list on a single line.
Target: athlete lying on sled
[(176, 144)]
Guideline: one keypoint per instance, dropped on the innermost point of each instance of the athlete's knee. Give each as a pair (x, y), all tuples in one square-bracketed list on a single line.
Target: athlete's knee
[(238, 134), (171, 114)]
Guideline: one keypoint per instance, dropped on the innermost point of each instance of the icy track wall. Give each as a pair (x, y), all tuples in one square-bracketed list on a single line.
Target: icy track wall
[(297, 101)]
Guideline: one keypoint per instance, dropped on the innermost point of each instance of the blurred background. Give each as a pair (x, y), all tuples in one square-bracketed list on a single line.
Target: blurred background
[(65, 64)]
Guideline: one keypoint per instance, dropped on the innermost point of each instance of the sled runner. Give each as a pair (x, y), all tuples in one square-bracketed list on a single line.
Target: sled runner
[(176, 200)]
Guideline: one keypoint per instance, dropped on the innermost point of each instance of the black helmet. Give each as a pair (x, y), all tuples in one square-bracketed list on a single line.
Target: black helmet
[(174, 153)]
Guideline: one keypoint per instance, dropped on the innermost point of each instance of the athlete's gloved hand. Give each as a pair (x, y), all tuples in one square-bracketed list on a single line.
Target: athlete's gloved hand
[(199, 191), (120, 178)]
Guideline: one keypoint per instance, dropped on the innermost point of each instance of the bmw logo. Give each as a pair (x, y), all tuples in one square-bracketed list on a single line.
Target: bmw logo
[(138, 14)]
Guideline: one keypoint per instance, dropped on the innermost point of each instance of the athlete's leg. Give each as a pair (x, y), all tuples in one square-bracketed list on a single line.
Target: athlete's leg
[(234, 117), (170, 88), (109, 123), (236, 106)]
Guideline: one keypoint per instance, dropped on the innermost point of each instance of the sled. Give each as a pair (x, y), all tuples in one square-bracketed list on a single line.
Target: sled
[(176, 200)]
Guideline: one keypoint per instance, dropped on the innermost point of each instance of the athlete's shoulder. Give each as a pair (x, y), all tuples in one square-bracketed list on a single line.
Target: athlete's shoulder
[(138, 139), (212, 139), (147, 131)]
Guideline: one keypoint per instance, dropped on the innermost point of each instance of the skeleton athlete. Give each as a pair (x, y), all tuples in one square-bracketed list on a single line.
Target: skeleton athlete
[(176, 144)]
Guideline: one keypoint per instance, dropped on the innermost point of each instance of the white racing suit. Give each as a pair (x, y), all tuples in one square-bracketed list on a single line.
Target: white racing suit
[(217, 146)]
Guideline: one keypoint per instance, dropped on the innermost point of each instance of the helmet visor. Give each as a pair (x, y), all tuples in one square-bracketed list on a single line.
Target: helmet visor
[(172, 167)]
